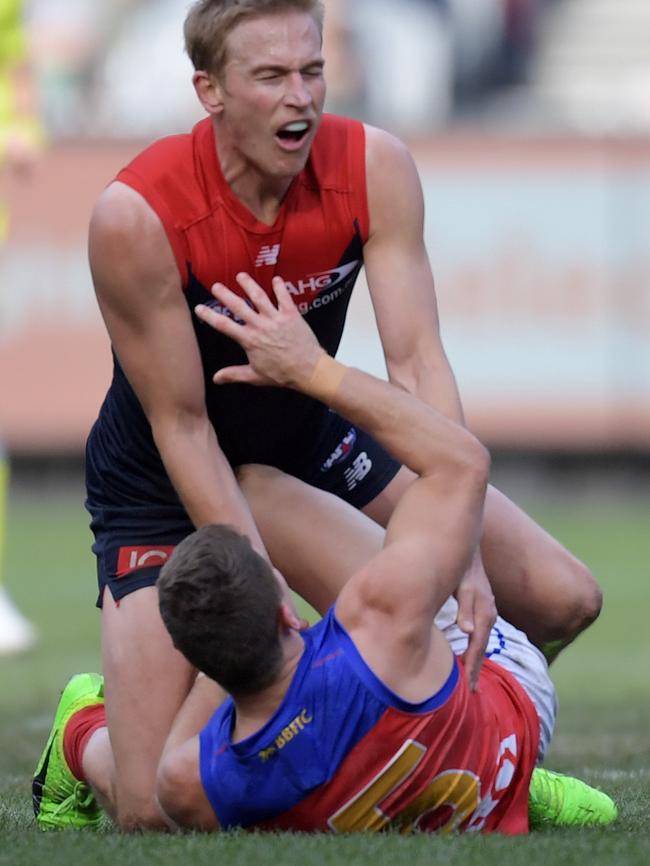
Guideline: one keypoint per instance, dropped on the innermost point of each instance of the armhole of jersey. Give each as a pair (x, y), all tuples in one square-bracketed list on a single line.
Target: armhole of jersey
[(176, 241), (383, 692), (357, 170)]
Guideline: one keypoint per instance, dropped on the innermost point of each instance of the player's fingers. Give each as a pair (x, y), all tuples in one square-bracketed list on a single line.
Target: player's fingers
[(282, 295), (473, 661), (220, 322), (238, 306), (241, 374), (483, 620), (255, 292)]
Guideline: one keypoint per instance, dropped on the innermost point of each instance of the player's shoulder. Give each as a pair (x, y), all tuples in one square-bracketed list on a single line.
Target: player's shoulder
[(127, 238), (386, 153), (395, 199), (121, 212)]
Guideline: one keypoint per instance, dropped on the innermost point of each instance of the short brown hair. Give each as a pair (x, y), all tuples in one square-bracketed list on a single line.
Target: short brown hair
[(209, 22), (219, 600)]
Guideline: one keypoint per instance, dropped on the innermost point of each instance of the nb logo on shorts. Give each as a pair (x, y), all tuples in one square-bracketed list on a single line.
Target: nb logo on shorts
[(130, 559), (268, 255), (361, 466)]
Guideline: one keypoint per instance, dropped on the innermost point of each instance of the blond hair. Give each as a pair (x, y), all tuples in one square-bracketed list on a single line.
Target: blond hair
[(209, 22)]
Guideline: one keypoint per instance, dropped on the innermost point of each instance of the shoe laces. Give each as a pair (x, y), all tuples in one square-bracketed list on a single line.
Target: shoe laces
[(81, 798)]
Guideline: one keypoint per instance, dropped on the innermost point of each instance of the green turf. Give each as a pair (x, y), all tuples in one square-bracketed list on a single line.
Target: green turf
[(602, 733)]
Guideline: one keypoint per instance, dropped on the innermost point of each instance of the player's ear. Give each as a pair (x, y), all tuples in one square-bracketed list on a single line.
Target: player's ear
[(209, 91), (289, 619)]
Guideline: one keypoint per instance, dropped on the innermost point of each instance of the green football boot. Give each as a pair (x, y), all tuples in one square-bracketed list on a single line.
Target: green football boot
[(60, 800), (563, 801)]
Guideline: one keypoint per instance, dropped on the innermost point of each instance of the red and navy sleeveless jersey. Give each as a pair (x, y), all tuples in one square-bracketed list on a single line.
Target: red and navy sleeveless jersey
[(344, 753), (315, 244)]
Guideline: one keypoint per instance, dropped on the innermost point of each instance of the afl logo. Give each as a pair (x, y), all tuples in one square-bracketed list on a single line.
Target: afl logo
[(130, 559)]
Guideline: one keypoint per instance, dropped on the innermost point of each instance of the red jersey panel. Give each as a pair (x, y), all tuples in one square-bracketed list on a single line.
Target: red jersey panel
[(212, 232)]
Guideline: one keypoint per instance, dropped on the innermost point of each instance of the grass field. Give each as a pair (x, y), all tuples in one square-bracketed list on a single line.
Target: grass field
[(602, 734)]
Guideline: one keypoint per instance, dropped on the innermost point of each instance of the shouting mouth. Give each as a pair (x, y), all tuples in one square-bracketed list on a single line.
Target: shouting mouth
[(292, 136)]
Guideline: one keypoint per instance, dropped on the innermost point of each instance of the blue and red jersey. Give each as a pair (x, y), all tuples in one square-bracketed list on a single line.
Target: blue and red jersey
[(344, 753)]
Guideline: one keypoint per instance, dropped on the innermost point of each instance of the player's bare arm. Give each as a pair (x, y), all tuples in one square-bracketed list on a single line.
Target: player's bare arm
[(140, 296), (180, 792), (388, 606), (400, 279), (403, 295)]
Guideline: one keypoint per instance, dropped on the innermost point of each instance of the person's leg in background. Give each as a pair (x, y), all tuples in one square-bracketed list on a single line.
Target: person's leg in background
[(21, 142), (17, 634)]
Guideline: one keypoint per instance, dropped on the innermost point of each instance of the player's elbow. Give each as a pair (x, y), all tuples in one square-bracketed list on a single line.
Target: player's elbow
[(172, 783), (471, 466), (176, 422)]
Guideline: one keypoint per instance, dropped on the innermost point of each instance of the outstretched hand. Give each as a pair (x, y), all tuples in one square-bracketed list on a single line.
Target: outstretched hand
[(281, 347)]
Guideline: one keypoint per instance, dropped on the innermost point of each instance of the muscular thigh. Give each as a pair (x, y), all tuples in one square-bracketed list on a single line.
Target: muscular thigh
[(538, 584), (146, 681), (314, 538)]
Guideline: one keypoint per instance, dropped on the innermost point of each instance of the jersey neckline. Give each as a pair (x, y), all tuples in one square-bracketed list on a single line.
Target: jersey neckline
[(250, 745), (218, 190)]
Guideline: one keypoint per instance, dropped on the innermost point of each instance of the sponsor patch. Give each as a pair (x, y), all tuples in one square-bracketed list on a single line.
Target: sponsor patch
[(132, 559), (342, 450)]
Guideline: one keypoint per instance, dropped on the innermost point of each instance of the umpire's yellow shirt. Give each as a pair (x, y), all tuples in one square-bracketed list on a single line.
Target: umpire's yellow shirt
[(13, 48)]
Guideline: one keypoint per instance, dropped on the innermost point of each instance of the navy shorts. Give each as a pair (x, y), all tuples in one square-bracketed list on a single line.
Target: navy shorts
[(134, 540)]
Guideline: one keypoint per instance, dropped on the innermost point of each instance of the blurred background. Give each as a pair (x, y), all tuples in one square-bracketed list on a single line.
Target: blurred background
[(530, 124)]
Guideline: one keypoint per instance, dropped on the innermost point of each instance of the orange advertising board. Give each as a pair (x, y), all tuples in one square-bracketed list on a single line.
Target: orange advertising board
[(542, 274)]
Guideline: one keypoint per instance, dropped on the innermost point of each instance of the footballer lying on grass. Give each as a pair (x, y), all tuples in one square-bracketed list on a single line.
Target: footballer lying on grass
[(366, 720)]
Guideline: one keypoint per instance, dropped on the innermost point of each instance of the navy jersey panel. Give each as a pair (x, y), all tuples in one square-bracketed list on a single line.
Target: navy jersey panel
[(333, 702)]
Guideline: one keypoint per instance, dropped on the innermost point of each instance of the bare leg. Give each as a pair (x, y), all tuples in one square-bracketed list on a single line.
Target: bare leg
[(314, 538), (146, 681), (538, 585), (99, 770)]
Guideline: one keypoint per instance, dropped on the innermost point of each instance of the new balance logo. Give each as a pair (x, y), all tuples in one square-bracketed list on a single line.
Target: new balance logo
[(268, 256), (358, 471)]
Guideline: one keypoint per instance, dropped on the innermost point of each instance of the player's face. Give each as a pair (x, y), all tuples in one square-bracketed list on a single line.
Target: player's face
[(273, 91)]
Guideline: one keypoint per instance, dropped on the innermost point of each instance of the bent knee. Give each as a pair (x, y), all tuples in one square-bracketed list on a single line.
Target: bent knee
[(584, 601)]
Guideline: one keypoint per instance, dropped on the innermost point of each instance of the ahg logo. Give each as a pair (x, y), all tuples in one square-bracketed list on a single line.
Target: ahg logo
[(323, 280), (132, 559)]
